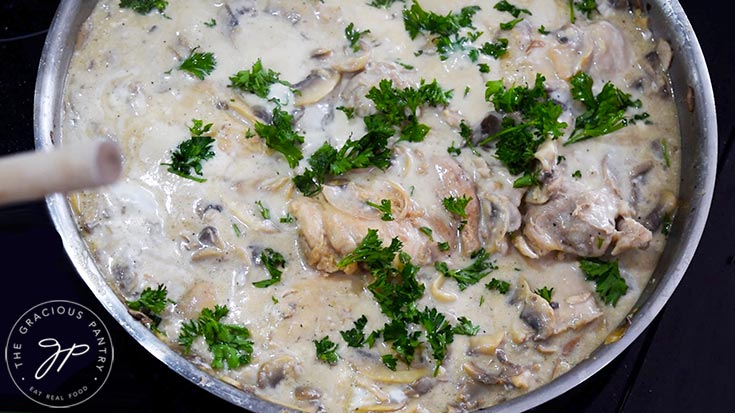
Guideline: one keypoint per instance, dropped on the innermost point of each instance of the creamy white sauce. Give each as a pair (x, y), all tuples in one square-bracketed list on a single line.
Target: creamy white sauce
[(123, 84)]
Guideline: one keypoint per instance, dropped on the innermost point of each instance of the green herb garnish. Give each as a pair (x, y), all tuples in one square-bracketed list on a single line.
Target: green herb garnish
[(264, 212), (353, 36), (144, 6), (191, 152), (355, 337), (513, 10), (211, 23), (471, 274), (444, 29), (499, 285), (199, 64), (272, 261), (228, 343), (257, 80), (510, 24), (545, 293), (326, 350), (384, 207), (281, 137), (610, 285)]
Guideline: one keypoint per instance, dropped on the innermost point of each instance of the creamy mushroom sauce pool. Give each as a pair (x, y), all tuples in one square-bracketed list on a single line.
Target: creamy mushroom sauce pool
[(203, 240)]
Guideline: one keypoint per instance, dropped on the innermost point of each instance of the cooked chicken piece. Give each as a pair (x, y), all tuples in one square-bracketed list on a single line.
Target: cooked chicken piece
[(580, 220)]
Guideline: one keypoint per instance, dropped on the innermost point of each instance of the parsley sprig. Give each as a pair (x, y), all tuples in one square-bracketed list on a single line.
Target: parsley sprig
[(144, 6), (151, 303), (258, 80), (326, 350), (545, 293), (191, 152), (605, 112), (353, 36), (444, 29), (473, 273), (384, 207), (513, 10), (606, 275), (228, 343), (280, 136), (272, 261), (499, 285), (199, 64), (518, 141)]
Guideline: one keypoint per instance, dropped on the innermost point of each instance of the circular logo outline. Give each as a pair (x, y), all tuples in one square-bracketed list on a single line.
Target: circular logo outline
[(30, 311)]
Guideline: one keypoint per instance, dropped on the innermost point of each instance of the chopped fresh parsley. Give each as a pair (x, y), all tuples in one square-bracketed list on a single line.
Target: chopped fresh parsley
[(355, 337), (444, 29), (429, 233), (405, 65), (389, 361), (439, 334), (257, 80), (383, 3), (228, 343), (518, 141), (610, 284), (471, 274), (199, 64), (527, 180), (577, 174), (326, 350), (287, 219), (605, 112), (457, 205), (349, 112), (272, 261), (191, 152), (543, 30), (496, 50), (586, 6), (453, 150), (274, 299), (371, 252), (465, 327), (211, 23), (499, 285), (483, 68), (666, 225), (353, 36), (384, 207), (236, 229), (264, 212), (327, 162), (665, 151), (397, 108), (510, 24), (281, 137), (151, 303), (144, 6), (545, 293), (513, 10), (443, 246)]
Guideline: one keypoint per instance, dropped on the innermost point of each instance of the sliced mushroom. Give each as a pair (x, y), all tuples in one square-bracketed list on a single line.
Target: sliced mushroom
[(321, 53), (486, 343), (353, 64), (272, 372), (209, 237), (316, 86), (419, 387), (306, 393), (199, 296), (481, 376), (536, 311)]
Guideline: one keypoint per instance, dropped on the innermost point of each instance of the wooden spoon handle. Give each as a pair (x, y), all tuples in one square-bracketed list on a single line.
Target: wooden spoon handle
[(32, 175)]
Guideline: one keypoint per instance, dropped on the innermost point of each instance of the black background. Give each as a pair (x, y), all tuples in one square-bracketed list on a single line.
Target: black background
[(682, 363)]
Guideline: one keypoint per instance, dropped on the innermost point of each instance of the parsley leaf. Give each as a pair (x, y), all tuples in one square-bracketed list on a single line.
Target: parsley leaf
[(605, 112), (513, 10), (211, 23), (443, 246), (257, 80), (389, 361), (264, 212), (610, 285), (228, 343), (371, 252), (349, 112), (496, 50), (353, 36), (151, 303), (586, 6), (199, 64), (272, 260), (465, 327), (501, 286), (545, 293), (439, 334), (326, 350), (456, 205), (355, 337), (190, 153), (281, 137), (384, 207), (518, 141), (510, 24), (471, 274), (144, 6), (383, 3), (370, 150), (543, 30), (445, 29)]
